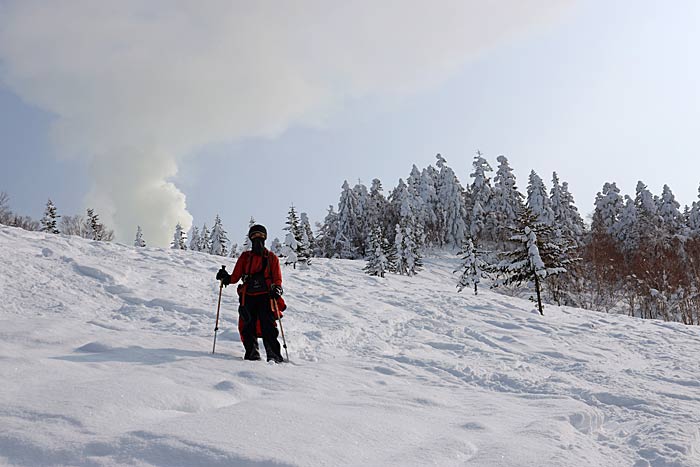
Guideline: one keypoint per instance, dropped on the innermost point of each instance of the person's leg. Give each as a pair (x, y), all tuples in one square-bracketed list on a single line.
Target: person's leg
[(269, 331), (248, 332)]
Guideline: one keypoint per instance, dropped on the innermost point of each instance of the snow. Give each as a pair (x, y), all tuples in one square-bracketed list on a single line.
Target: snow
[(105, 359)]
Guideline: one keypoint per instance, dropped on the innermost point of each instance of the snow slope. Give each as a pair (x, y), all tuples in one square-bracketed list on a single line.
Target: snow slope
[(105, 359)]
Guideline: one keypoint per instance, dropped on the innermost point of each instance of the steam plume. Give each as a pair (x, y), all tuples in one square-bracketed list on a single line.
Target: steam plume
[(135, 86)]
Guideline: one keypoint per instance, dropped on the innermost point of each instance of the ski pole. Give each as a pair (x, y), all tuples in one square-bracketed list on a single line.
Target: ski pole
[(279, 318), (218, 307)]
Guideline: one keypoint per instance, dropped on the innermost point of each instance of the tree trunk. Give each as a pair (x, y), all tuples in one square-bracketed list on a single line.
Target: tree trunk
[(539, 298)]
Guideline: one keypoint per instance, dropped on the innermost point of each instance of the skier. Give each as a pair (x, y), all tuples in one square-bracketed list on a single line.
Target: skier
[(262, 282)]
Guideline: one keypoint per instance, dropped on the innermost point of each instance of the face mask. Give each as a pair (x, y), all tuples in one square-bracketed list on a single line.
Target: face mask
[(258, 246)]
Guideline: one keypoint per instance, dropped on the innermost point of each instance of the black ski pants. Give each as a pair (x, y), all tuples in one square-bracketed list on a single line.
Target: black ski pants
[(258, 308)]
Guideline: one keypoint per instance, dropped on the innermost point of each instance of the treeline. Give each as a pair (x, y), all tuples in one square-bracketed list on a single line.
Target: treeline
[(88, 226), (640, 255)]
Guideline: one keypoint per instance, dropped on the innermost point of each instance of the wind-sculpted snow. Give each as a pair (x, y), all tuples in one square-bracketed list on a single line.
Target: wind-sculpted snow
[(105, 359)]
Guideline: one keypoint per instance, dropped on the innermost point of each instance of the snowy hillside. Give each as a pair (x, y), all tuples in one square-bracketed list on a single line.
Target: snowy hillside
[(105, 359)]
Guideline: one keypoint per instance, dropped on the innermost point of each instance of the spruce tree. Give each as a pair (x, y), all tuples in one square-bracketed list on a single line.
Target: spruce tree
[(48, 222), (205, 239), (139, 241), (538, 201), (507, 201), (327, 235), (179, 239), (482, 222), (218, 238), (537, 255), (289, 250), (377, 261), (346, 240), (195, 240), (451, 205), (474, 267)]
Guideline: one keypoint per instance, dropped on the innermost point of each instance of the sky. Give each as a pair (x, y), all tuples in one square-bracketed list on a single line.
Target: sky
[(155, 113)]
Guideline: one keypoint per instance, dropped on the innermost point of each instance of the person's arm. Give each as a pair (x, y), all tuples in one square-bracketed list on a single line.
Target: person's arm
[(239, 268), (275, 270)]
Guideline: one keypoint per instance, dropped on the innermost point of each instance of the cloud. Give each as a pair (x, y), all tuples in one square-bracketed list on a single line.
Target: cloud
[(135, 86)]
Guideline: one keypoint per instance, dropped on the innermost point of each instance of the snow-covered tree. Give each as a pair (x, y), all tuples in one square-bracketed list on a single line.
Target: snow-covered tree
[(179, 239), (625, 230), (234, 253), (694, 218), (474, 267), (309, 239), (408, 257), (537, 255), (432, 221), (276, 246), (327, 235), (377, 206), (538, 201), (363, 228), (49, 221), (669, 211), (139, 241), (205, 239), (450, 198), (347, 238), (482, 220), (507, 201), (218, 239), (567, 220), (289, 250), (608, 205), (195, 240), (377, 261)]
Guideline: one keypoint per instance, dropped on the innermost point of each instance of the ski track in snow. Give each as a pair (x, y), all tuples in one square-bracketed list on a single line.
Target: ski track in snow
[(105, 358)]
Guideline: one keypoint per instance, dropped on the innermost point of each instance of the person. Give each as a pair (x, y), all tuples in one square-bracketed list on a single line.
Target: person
[(259, 268)]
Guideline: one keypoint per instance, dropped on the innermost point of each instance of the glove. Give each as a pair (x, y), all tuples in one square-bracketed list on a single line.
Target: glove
[(223, 276), (276, 291)]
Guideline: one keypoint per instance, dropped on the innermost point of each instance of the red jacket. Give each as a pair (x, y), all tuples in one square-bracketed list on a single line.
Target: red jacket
[(249, 263)]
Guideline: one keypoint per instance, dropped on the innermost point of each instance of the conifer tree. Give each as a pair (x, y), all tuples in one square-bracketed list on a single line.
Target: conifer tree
[(669, 212), (608, 205), (377, 205), (205, 239), (139, 241), (450, 196), (179, 239), (218, 239), (474, 267), (537, 255), (310, 239), (507, 201), (694, 218), (48, 222), (346, 241), (538, 201), (234, 251), (95, 230), (482, 222), (377, 262), (429, 206), (408, 257), (195, 240), (276, 246), (328, 234), (289, 250)]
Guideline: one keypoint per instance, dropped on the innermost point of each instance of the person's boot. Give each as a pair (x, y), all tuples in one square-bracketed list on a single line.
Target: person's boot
[(252, 352)]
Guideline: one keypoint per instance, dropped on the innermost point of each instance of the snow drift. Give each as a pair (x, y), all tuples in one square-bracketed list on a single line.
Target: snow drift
[(105, 359)]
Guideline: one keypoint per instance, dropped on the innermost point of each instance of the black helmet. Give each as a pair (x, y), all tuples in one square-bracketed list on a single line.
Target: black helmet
[(257, 231)]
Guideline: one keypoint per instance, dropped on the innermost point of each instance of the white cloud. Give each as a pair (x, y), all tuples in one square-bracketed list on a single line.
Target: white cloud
[(137, 85)]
